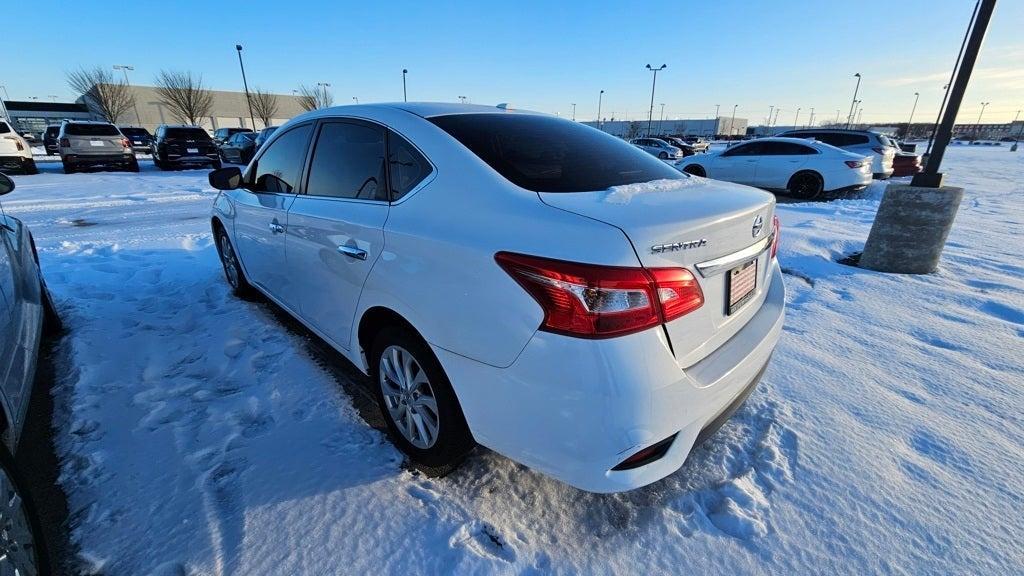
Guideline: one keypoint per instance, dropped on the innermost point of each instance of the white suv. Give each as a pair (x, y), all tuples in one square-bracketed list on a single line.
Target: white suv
[(873, 145), (512, 279), (15, 152)]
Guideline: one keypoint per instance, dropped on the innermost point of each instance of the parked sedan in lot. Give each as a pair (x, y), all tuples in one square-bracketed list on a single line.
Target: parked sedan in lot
[(15, 152), (512, 279), (239, 149), (685, 148), (803, 168), (222, 135), (699, 144), (176, 147), (140, 138), (658, 147), (874, 145), (26, 312), (84, 144)]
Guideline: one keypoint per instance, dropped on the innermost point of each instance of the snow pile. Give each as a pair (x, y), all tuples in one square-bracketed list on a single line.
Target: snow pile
[(624, 194), (201, 434)]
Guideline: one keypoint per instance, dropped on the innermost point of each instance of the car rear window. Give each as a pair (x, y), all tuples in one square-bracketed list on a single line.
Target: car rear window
[(52, 131), (187, 133), (546, 154), (91, 130)]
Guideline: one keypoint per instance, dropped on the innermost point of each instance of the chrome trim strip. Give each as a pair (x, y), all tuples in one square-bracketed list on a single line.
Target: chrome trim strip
[(719, 265)]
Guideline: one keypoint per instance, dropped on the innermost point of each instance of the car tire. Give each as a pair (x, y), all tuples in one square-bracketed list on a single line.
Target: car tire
[(806, 185), (233, 267), (22, 537), (133, 166), (695, 170), (30, 167), (410, 407), (68, 168), (663, 155)]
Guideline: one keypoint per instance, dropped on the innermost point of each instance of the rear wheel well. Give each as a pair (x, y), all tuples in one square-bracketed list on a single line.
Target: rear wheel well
[(373, 321), (695, 169)]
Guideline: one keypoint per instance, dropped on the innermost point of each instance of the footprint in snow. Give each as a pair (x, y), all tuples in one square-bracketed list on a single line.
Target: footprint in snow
[(483, 540), (1001, 311)]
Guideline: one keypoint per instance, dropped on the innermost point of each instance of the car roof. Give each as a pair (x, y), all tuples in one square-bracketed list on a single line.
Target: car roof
[(835, 130), (792, 140), (86, 122), (422, 109)]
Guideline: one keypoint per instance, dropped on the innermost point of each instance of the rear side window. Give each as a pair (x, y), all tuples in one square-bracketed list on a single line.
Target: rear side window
[(91, 130), (187, 133), (278, 169), (545, 154), (406, 166), (4, 128), (348, 162), (752, 149), (786, 149)]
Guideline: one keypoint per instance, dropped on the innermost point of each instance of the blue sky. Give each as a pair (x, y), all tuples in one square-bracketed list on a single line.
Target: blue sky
[(546, 55)]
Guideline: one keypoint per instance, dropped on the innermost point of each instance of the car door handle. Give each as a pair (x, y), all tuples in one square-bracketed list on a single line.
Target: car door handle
[(276, 228), (352, 252)]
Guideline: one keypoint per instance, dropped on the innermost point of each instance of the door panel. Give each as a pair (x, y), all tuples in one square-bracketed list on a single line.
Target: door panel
[(9, 345), (336, 229), (319, 230)]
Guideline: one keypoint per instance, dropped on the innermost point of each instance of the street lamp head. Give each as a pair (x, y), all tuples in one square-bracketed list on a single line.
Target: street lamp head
[(602, 91), (238, 47), (857, 75), (404, 71)]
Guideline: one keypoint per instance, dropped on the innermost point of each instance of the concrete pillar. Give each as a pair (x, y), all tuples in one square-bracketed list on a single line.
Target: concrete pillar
[(910, 229)]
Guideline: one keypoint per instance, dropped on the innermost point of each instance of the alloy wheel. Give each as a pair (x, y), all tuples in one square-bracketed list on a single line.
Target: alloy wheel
[(227, 257), (408, 397), (17, 546)]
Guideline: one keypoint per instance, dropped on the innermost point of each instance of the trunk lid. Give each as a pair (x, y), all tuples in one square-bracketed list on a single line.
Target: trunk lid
[(683, 223)]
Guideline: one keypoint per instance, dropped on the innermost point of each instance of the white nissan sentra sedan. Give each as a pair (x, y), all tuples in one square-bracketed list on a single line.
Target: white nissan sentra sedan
[(514, 280)]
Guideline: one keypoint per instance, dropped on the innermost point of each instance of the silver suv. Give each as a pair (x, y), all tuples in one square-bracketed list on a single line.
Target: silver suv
[(876, 146), (84, 144), (659, 148)]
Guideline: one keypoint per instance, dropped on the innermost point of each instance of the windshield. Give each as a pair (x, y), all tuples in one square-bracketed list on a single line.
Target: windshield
[(91, 130), (187, 133), (546, 154)]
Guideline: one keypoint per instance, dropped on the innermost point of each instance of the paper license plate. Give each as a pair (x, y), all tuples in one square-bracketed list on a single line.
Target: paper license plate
[(741, 281)]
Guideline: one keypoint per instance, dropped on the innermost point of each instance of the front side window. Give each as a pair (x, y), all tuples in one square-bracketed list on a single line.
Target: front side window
[(279, 168), (752, 149), (547, 154), (348, 162), (406, 166)]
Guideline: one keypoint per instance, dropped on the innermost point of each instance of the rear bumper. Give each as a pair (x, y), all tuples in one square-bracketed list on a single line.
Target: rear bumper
[(193, 159), (575, 409)]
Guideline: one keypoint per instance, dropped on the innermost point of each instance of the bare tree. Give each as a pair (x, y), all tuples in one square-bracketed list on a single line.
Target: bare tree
[(264, 105), (314, 98), (184, 94), (104, 95)]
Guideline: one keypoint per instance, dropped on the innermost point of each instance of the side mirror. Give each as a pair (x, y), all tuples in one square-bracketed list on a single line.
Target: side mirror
[(228, 178), (6, 184)]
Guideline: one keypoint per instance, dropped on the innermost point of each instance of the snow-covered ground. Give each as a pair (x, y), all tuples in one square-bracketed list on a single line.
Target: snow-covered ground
[(200, 434)]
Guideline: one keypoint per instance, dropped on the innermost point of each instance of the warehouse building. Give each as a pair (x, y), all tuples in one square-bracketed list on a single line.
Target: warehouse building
[(710, 127), (33, 116)]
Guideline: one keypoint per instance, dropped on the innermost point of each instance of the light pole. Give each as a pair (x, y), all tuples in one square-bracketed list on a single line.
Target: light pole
[(732, 123), (983, 105), (600, 96), (322, 93), (810, 122), (356, 99), (650, 112), (405, 98), (854, 102), (796, 119), (661, 119), (906, 135), (3, 106), (860, 113), (125, 68), (245, 84), (771, 108), (837, 118), (462, 99), (1019, 132), (573, 111)]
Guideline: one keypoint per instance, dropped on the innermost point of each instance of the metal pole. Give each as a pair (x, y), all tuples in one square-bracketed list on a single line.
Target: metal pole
[(573, 111), (854, 102), (837, 118), (3, 105), (978, 130), (125, 68), (404, 97), (906, 136), (661, 119), (810, 121), (952, 75), (860, 113), (650, 112), (796, 119), (771, 108), (245, 84), (600, 96), (732, 123), (931, 177)]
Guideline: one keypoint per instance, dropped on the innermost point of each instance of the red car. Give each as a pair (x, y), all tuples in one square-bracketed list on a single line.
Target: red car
[(906, 164)]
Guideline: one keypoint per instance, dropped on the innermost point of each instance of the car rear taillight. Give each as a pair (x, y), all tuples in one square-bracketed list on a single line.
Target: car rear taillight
[(126, 144), (592, 301), (854, 163), (65, 142), (879, 149), (776, 231)]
